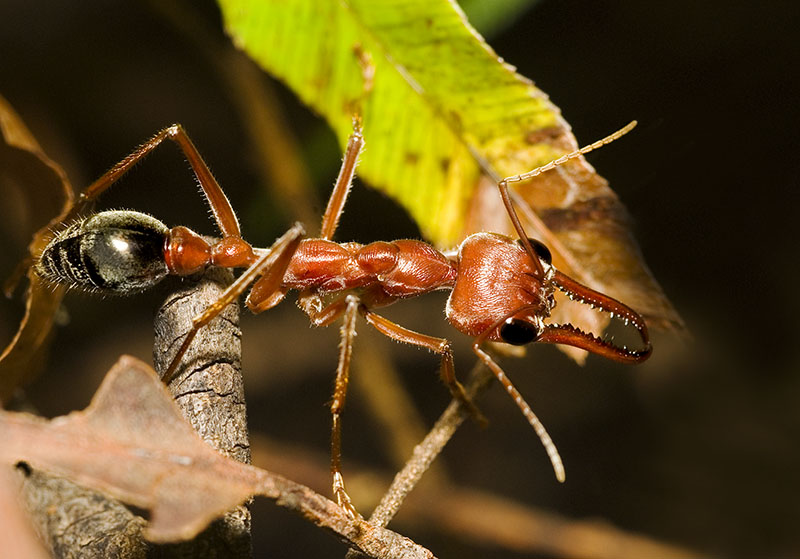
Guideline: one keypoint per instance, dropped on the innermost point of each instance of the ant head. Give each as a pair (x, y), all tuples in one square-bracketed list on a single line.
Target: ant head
[(500, 295), (500, 287), (525, 323), (503, 294)]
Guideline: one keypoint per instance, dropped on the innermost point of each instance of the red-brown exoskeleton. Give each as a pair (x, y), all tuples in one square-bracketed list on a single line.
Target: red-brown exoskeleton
[(501, 288)]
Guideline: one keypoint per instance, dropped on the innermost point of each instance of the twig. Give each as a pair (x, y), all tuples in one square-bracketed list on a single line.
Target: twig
[(427, 451), (209, 390), (76, 522), (374, 541), (487, 520)]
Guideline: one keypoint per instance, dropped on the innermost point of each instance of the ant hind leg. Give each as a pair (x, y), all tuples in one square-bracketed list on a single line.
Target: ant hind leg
[(323, 315), (220, 206)]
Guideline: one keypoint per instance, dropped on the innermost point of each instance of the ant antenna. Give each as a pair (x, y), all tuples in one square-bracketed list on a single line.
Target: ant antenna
[(524, 407), (572, 155), (512, 213)]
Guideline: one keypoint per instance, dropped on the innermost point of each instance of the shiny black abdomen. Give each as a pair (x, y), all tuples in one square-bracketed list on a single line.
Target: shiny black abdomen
[(114, 252)]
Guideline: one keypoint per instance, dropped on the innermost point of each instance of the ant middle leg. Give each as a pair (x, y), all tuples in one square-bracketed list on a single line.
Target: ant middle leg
[(323, 315), (310, 303), (348, 333)]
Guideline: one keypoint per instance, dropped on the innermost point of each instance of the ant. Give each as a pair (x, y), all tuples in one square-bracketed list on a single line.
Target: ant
[(502, 289)]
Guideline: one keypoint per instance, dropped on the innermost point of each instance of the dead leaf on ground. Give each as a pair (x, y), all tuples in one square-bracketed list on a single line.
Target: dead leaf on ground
[(17, 538), (133, 444)]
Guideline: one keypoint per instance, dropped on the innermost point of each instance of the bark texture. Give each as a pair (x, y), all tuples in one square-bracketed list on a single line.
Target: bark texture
[(209, 390), (80, 523)]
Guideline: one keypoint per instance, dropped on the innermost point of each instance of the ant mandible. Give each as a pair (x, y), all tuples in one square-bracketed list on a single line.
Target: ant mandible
[(501, 288)]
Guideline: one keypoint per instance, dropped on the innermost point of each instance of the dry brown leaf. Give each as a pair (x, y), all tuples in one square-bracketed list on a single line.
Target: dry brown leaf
[(17, 538), (133, 444), (45, 190)]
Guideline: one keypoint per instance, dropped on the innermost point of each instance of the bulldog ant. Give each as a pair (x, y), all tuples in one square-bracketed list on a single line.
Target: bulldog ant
[(501, 288)]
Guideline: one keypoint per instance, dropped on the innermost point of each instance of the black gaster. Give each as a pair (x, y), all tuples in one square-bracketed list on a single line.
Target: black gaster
[(113, 252)]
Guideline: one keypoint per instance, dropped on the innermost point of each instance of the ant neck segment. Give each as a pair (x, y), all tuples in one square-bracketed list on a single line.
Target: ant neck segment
[(186, 252)]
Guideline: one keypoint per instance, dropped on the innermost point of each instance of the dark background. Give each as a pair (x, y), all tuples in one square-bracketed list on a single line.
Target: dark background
[(698, 447)]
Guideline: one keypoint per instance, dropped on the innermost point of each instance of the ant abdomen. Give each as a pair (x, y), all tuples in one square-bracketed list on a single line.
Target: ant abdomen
[(114, 252)]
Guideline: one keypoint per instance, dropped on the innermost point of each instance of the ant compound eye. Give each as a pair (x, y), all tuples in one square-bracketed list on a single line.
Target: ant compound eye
[(518, 332), (541, 250)]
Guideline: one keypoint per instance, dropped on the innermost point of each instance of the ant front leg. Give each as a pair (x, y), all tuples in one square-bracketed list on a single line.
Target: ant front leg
[(440, 346), (220, 206)]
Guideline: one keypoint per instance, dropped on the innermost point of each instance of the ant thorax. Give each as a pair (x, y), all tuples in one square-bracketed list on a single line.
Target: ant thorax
[(497, 281)]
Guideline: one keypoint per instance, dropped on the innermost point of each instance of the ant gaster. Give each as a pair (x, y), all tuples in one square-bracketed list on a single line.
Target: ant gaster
[(501, 289)]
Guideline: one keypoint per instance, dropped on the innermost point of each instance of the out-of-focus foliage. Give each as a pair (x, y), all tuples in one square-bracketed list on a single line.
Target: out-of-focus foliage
[(48, 196)]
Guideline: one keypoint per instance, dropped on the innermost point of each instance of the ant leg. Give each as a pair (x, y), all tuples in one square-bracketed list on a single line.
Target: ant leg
[(538, 427), (220, 206), (333, 212), (439, 346), (348, 333), (268, 291), (311, 303), (271, 263)]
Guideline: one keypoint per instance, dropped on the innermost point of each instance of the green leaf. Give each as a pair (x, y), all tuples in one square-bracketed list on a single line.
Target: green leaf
[(444, 120), (442, 100)]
